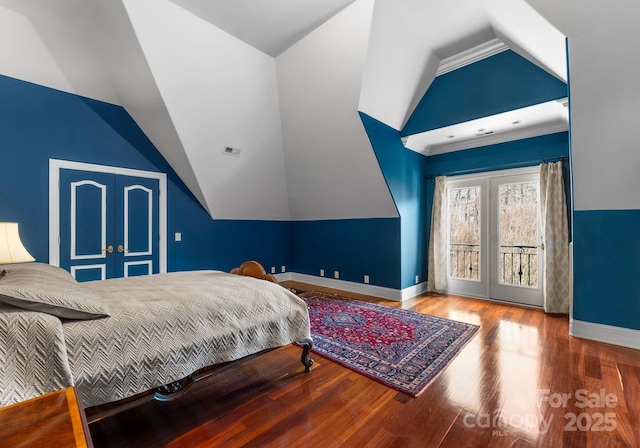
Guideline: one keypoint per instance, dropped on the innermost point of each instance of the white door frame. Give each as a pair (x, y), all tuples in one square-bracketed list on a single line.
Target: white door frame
[(55, 165), (526, 295)]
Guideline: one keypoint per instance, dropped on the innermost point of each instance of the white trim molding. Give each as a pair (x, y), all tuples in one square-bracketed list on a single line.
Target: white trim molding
[(102, 267), (398, 295), (74, 220), (149, 192), (608, 334), (149, 264), (475, 54), (55, 165), (500, 137)]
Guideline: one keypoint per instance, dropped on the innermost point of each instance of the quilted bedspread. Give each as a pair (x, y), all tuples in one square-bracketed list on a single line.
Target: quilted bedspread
[(33, 359), (162, 328), (166, 326)]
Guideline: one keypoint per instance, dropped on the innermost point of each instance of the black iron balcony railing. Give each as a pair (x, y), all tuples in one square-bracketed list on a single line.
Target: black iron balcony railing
[(463, 259), (518, 264)]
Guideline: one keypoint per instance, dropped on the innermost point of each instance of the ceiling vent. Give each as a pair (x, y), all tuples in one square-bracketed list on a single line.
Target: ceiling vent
[(232, 151)]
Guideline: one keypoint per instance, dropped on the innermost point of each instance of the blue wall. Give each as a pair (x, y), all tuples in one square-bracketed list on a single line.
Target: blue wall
[(354, 247), (38, 123), (607, 267), (403, 172), (497, 84), (516, 154)]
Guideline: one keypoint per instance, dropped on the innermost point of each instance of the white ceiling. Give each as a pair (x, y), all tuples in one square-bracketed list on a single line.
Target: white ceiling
[(200, 75), (271, 26), (532, 121)]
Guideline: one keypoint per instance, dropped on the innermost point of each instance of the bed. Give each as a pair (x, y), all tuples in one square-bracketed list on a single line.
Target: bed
[(117, 338)]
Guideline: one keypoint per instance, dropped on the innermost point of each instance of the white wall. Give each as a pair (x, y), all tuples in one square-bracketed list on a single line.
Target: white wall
[(41, 46), (332, 172), (399, 69), (527, 33), (219, 92), (604, 73), (131, 76)]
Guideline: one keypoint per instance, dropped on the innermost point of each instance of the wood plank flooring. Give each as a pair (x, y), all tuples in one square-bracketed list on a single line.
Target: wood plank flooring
[(521, 382)]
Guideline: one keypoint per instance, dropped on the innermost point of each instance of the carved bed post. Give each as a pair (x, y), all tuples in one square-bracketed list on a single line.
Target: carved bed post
[(254, 269), (307, 362)]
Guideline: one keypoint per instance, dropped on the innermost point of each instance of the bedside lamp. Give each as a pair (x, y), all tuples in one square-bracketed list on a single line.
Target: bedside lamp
[(11, 248)]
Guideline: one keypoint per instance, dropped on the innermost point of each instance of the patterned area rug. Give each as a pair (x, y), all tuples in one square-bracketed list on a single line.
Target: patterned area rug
[(403, 349)]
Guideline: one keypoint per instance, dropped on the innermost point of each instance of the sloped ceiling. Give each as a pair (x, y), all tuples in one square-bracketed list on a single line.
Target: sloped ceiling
[(271, 26), (201, 76)]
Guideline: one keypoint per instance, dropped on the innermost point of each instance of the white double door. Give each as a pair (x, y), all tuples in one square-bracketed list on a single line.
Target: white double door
[(494, 238)]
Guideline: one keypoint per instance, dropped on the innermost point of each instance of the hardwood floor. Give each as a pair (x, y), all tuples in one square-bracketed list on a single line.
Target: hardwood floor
[(521, 382)]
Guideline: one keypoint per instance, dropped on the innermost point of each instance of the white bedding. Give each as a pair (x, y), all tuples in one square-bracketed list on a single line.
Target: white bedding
[(166, 326)]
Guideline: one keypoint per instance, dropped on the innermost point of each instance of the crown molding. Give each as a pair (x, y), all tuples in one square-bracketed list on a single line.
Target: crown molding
[(475, 54)]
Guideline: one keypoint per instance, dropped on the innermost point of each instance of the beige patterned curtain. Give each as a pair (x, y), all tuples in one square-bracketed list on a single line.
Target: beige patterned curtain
[(437, 281), (555, 235)]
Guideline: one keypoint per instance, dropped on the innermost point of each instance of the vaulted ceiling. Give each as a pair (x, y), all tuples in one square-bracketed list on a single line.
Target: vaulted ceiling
[(280, 81)]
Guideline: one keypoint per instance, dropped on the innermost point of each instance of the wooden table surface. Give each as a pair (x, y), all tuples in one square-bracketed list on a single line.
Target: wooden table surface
[(52, 420)]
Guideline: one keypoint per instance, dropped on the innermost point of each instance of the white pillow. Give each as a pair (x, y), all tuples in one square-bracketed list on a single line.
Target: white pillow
[(39, 290), (39, 267)]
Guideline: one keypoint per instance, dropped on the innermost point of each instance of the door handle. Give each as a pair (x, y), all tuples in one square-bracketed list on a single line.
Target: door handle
[(109, 249), (120, 248)]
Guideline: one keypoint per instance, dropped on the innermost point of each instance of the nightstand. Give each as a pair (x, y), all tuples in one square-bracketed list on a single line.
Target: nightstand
[(52, 420)]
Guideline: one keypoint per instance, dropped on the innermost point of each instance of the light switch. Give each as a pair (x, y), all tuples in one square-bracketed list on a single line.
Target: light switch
[(178, 236)]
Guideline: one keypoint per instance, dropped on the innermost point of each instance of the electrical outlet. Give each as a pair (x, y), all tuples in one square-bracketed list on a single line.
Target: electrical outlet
[(283, 269), (178, 236), (417, 279), (336, 274), (321, 272), (273, 269), (366, 279)]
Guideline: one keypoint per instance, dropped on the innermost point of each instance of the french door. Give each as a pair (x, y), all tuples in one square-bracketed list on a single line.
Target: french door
[(106, 222), (494, 236)]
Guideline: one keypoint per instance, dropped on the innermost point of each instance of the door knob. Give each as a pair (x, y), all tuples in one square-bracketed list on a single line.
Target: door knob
[(120, 248), (109, 248)]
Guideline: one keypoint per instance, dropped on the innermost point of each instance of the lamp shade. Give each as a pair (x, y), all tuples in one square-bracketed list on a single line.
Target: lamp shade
[(11, 248)]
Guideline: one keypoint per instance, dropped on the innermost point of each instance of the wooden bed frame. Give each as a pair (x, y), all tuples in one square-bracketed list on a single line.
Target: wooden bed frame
[(173, 390)]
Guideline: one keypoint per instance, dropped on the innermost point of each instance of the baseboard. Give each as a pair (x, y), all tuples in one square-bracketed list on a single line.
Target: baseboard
[(398, 295), (624, 337)]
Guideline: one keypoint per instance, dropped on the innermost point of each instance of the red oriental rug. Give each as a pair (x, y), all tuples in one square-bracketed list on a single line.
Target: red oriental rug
[(402, 349)]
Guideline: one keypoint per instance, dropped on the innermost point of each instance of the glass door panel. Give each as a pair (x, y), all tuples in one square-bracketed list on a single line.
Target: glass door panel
[(467, 242), (518, 234), (515, 238), (464, 233)]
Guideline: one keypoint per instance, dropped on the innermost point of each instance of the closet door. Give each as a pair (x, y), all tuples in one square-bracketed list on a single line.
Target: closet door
[(87, 224), (109, 225), (137, 233)]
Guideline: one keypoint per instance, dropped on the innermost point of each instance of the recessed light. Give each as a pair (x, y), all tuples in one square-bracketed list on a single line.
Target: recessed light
[(481, 130), (517, 122), (450, 136)]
